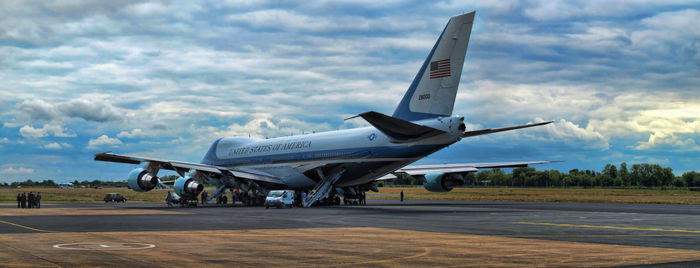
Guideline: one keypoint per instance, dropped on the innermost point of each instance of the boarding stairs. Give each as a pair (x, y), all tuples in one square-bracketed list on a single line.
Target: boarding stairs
[(219, 191), (323, 187)]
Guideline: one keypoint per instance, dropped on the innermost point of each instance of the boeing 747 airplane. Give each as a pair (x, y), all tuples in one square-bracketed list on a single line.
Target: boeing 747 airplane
[(351, 159)]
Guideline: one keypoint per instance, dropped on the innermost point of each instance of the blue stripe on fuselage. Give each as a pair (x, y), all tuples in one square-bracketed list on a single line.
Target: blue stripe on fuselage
[(347, 153)]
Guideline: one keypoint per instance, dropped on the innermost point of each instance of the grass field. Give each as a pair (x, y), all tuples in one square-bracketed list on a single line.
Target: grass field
[(485, 194), (81, 194), (549, 195)]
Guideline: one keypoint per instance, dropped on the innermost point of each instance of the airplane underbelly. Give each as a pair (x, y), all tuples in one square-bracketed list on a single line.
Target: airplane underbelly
[(362, 173)]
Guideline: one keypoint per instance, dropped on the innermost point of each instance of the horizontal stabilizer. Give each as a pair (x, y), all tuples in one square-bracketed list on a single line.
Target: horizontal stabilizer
[(398, 130), (494, 130)]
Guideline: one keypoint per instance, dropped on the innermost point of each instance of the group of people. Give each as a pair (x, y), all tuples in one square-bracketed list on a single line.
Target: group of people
[(30, 200)]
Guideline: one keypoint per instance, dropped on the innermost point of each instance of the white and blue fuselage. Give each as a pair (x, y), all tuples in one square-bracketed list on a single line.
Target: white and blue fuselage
[(366, 153)]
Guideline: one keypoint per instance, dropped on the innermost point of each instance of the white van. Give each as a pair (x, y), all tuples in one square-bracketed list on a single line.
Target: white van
[(280, 198)]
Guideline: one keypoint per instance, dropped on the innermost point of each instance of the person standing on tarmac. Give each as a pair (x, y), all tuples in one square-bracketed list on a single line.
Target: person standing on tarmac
[(169, 199), (303, 198), (19, 200), (204, 196), (38, 199), (401, 195), (31, 200), (23, 199)]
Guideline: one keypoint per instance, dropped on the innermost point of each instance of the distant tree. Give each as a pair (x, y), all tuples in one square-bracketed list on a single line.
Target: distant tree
[(678, 182), (606, 180), (498, 177), (470, 179), (484, 175), (555, 178), (667, 176), (585, 179), (618, 182), (624, 175), (543, 179), (651, 175), (573, 171), (567, 180), (610, 170), (692, 179), (403, 179), (524, 176)]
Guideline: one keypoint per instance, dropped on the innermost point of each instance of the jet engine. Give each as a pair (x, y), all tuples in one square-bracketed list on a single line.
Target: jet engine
[(188, 186), (141, 180), (441, 182)]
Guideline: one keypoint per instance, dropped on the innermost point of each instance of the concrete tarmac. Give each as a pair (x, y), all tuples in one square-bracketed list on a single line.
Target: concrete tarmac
[(383, 233)]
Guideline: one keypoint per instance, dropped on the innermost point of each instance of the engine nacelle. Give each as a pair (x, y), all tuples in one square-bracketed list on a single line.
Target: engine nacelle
[(188, 186), (441, 182), (141, 181)]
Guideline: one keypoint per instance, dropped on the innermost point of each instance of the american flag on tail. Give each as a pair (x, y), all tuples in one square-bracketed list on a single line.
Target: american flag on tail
[(439, 69)]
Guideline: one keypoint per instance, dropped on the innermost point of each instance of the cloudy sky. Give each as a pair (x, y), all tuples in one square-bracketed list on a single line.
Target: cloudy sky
[(621, 80)]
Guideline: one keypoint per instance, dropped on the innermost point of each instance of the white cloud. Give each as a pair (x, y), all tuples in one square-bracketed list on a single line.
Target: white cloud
[(568, 131), (466, 6), (263, 127), (661, 161), (661, 139), (285, 19), (561, 10), (87, 109), (48, 129), (670, 120), (38, 109), (91, 110), (134, 133), (103, 140), (56, 145), (53, 145), (16, 170), (147, 9)]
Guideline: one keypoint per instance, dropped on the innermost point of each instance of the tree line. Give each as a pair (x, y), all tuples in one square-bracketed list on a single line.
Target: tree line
[(639, 175)]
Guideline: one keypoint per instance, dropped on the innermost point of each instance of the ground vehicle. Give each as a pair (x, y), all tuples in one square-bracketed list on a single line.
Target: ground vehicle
[(114, 197), (175, 198), (280, 198)]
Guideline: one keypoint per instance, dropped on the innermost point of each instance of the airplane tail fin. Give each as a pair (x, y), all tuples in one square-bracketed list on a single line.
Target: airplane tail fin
[(432, 92)]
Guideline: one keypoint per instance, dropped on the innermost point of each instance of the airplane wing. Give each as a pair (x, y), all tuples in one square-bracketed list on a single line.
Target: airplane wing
[(458, 168), (183, 167)]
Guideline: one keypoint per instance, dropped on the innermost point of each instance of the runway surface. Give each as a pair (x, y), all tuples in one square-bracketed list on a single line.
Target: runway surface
[(383, 233)]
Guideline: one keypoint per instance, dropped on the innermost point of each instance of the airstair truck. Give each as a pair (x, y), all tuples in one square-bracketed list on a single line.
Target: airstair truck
[(280, 199)]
